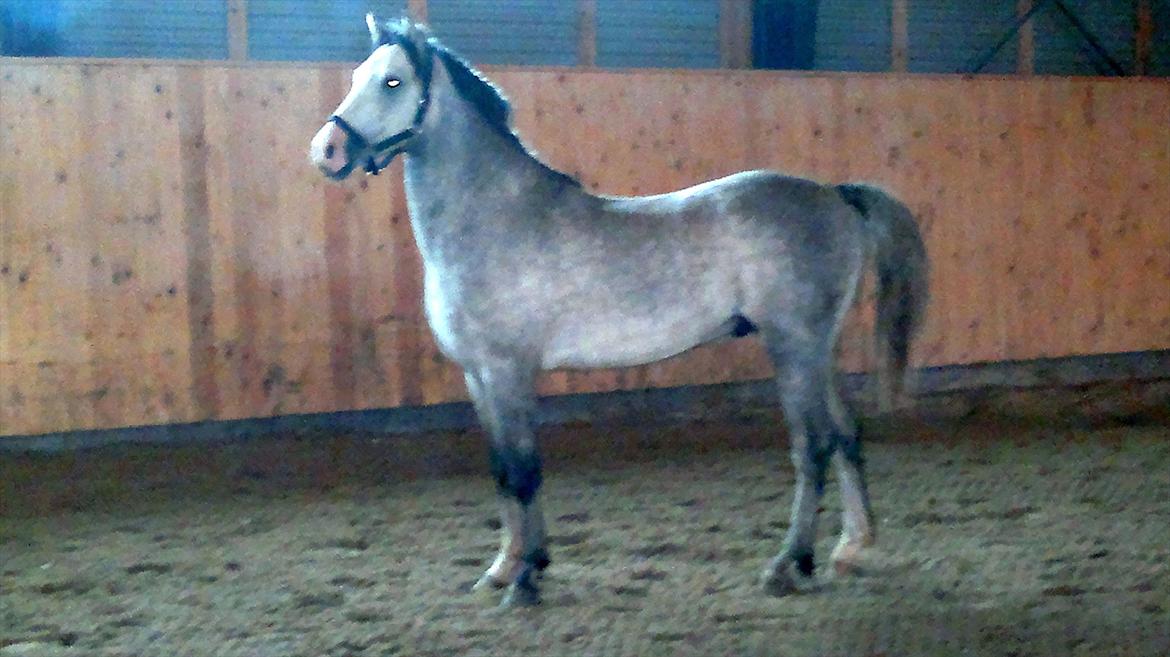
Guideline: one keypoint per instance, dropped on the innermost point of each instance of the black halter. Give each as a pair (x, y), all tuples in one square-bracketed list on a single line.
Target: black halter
[(389, 145)]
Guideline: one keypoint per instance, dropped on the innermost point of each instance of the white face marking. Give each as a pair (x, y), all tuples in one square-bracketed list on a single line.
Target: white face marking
[(375, 108)]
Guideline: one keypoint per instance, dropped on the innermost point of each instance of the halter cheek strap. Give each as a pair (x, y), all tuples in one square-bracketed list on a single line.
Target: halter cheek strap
[(388, 145)]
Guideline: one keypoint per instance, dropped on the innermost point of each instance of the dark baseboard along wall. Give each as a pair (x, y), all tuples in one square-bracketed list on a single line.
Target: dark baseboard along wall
[(676, 404)]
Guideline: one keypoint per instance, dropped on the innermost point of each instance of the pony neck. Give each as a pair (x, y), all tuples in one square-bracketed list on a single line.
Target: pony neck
[(464, 170)]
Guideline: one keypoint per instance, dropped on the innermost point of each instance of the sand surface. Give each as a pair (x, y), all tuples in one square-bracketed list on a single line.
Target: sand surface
[(1000, 533)]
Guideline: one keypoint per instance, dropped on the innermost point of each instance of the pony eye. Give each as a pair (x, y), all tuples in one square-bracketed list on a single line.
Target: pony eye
[(393, 82)]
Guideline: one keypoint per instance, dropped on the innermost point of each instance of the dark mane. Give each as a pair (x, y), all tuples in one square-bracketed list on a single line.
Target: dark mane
[(478, 91)]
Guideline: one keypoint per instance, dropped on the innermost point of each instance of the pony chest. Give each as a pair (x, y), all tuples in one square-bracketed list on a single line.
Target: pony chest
[(441, 304)]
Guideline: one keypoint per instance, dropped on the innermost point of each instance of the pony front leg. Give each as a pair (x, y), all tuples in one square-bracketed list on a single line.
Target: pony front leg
[(517, 471), (504, 398), (504, 568), (508, 561)]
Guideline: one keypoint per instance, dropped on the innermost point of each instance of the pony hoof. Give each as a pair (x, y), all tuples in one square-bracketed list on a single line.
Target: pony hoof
[(847, 559), (784, 577), (540, 560), (778, 585), (487, 583), (847, 568), (520, 597)]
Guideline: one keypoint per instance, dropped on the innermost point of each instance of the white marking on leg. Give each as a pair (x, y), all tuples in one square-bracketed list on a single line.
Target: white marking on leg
[(507, 563), (857, 523)]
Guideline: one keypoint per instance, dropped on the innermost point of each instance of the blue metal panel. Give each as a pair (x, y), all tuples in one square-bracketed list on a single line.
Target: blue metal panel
[(651, 33), (853, 35), (1060, 50), (195, 29), (537, 32), (946, 36), (1160, 64), (314, 30)]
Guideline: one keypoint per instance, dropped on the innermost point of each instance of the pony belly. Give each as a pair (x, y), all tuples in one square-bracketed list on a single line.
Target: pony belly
[(624, 346)]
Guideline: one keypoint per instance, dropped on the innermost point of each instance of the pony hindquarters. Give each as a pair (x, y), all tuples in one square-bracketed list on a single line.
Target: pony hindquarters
[(902, 292), (801, 343), (800, 340)]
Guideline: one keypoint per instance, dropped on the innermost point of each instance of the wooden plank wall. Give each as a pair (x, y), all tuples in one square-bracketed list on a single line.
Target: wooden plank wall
[(167, 254)]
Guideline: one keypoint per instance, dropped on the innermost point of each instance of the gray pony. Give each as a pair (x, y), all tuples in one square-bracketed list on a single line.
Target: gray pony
[(526, 271)]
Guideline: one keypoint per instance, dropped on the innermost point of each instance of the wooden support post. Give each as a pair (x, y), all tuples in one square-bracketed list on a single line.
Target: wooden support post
[(237, 30), (1143, 37), (417, 10), (735, 33), (586, 32), (1026, 50), (900, 36)]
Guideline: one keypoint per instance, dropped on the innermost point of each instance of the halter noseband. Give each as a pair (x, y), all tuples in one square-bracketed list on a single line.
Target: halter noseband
[(373, 166)]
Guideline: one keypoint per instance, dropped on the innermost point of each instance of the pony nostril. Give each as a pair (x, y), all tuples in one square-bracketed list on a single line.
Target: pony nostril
[(329, 151)]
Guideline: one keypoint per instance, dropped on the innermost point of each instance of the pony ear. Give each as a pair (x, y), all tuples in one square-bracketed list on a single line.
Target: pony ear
[(377, 32)]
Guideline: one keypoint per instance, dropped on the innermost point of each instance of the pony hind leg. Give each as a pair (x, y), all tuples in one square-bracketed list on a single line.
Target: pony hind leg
[(504, 399), (858, 529), (803, 369)]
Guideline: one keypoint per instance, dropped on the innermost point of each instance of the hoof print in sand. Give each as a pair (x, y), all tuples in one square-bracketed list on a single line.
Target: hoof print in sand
[(149, 567), (319, 599), (574, 538), (657, 550), (355, 543), (74, 585), (353, 582), (648, 574)]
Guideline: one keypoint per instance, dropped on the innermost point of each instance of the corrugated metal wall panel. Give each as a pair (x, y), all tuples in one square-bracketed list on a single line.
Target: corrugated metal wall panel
[(536, 32), (1060, 50), (852, 35), (1160, 64), (195, 29), (667, 33), (945, 36), (314, 30)]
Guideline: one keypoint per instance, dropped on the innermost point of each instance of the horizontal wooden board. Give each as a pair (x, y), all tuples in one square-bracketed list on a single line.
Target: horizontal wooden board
[(167, 254)]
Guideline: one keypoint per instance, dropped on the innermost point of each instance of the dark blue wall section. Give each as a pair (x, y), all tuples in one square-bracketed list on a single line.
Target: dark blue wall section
[(313, 30), (852, 35), (535, 32), (945, 36), (194, 29), (652, 33)]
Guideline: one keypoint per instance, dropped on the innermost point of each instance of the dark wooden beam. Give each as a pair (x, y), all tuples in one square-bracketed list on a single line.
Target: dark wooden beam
[(237, 30), (900, 35), (1026, 50), (735, 33), (587, 32), (1143, 37), (417, 10)]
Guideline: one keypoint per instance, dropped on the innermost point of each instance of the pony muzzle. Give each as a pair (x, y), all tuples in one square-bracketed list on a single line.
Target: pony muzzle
[(338, 148), (331, 151)]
